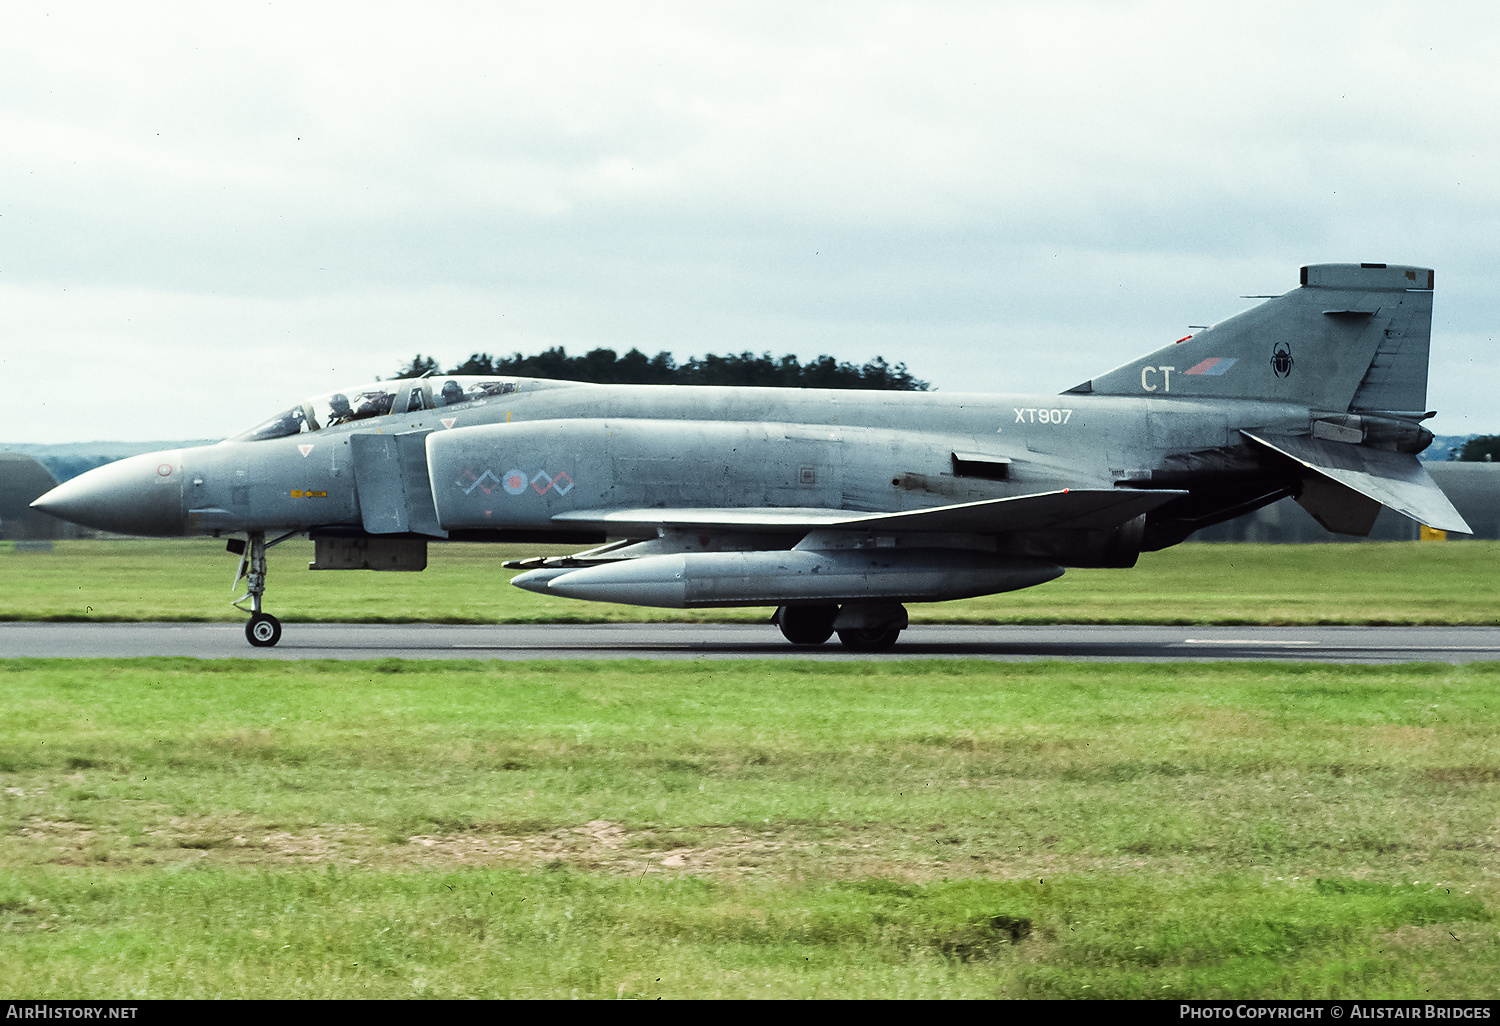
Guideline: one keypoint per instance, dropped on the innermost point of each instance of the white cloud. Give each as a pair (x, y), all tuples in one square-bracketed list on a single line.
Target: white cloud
[(1065, 185)]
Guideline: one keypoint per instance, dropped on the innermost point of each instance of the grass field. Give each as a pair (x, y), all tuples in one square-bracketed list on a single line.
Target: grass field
[(1384, 583), (175, 828)]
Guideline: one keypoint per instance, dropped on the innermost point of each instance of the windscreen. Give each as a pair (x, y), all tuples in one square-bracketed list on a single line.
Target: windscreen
[(342, 407)]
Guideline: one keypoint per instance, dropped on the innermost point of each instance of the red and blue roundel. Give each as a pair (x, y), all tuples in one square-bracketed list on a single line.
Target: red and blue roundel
[(1212, 367)]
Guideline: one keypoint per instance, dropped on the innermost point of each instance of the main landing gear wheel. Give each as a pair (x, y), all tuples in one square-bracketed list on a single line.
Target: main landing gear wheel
[(806, 625), (263, 630), (870, 639)]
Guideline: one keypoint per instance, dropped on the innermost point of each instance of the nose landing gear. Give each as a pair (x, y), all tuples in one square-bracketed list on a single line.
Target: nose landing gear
[(263, 630)]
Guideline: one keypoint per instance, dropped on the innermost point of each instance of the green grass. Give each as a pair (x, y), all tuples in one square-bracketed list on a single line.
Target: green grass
[(176, 828), (1371, 583), (502, 933)]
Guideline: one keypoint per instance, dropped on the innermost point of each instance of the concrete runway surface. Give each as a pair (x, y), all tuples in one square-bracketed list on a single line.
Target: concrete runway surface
[(731, 641)]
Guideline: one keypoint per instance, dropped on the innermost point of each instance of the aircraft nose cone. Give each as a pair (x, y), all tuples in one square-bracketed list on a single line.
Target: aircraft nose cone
[(139, 495)]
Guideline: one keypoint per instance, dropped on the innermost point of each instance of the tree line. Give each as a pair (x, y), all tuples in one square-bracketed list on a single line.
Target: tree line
[(605, 367), (1479, 449)]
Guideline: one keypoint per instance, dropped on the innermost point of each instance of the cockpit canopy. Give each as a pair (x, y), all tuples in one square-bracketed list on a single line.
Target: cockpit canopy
[(377, 400)]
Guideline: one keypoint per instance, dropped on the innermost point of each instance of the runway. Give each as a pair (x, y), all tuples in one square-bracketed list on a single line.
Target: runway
[(739, 641)]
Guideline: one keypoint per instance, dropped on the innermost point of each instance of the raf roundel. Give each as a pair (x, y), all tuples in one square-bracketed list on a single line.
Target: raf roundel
[(514, 482)]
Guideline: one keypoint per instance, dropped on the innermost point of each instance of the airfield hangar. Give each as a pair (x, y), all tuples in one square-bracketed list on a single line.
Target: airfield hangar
[(22, 479)]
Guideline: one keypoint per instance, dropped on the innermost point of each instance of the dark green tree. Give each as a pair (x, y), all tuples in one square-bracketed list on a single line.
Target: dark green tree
[(605, 366), (477, 363), (419, 365), (1479, 449)]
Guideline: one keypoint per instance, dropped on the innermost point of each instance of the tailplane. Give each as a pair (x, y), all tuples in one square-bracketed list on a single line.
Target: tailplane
[(1343, 486), (1353, 338)]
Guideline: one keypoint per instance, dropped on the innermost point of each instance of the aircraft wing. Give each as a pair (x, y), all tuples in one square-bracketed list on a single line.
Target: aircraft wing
[(1394, 479), (1065, 509)]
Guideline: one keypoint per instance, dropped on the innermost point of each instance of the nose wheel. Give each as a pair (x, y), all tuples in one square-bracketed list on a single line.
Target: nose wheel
[(263, 630)]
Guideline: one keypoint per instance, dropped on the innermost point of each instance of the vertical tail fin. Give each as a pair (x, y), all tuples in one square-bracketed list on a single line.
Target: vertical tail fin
[(1352, 338)]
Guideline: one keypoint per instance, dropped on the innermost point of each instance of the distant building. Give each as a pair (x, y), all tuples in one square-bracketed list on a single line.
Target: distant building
[(66, 460), (22, 479)]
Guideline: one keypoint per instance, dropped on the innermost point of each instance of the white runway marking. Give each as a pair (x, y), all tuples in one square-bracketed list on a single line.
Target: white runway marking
[(1242, 641)]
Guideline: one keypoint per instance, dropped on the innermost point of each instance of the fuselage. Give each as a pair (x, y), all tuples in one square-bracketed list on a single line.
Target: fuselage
[(544, 449)]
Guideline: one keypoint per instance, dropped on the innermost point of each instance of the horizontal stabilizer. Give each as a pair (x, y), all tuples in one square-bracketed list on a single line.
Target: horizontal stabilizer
[(1394, 479), (1069, 509)]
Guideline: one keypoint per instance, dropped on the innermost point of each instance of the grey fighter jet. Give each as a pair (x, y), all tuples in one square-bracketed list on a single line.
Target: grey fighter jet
[(835, 507)]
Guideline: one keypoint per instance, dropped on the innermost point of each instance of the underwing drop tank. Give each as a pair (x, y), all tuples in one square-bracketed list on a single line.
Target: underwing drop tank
[(702, 579)]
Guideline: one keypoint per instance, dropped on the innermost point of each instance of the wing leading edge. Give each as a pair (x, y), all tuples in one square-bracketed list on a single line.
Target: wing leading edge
[(1065, 509)]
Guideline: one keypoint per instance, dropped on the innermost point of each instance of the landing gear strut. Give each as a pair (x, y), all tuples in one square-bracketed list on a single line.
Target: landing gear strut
[(263, 630)]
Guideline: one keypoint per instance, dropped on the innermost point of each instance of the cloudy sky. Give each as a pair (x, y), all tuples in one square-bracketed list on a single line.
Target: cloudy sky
[(210, 211)]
